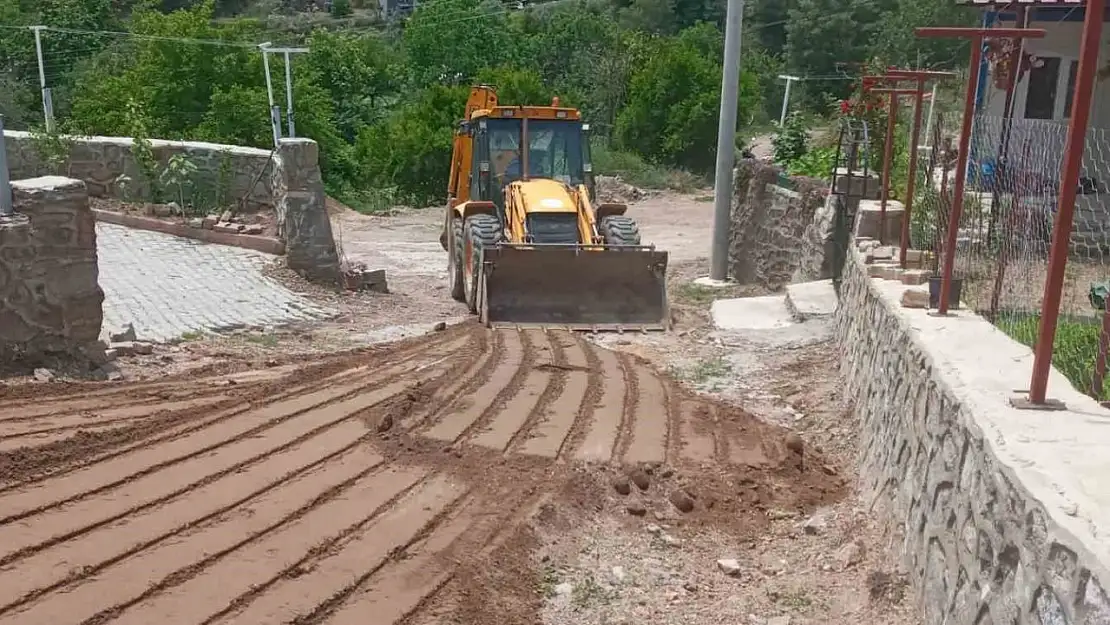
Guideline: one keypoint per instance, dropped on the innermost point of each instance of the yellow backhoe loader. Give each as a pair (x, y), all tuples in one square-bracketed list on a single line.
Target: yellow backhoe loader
[(527, 243)]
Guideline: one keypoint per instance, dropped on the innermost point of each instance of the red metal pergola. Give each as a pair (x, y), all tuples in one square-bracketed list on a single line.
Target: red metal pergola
[(919, 77), (1069, 176)]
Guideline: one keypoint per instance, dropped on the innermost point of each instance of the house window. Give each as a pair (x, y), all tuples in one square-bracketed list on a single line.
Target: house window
[(1040, 98), (1070, 92), (1050, 87)]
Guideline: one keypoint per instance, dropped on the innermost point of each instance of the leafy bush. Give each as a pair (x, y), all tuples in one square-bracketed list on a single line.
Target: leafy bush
[(341, 8), (674, 101), (816, 163), (633, 169), (790, 143)]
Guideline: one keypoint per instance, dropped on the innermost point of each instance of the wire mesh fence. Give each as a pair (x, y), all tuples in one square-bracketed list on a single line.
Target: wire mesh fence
[(1006, 227)]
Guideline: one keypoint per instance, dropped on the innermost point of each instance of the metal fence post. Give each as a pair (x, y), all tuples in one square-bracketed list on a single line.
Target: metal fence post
[(5, 180)]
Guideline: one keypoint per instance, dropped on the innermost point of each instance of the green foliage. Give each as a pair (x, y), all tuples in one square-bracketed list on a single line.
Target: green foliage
[(674, 101), (791, 141), (341, 8), (382, 101), (412, 148), (815, 163), (53, 148), (634, 170), (1073, 351)]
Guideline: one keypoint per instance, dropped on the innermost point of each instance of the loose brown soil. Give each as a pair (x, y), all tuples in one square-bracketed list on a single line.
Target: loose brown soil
[(400, 484)]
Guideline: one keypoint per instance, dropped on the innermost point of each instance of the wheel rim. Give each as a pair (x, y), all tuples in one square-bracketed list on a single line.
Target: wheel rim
[(468, 271), (453, 268)]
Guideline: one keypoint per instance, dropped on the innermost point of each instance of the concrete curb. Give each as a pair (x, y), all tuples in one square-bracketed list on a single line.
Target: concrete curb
[(267, 245)]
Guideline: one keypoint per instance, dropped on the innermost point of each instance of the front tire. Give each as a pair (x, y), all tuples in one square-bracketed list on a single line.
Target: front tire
[(455, 262), (481, 231), (619, 230)]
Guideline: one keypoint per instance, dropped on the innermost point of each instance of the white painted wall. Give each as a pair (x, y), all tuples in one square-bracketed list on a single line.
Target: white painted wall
[(1062, 40)]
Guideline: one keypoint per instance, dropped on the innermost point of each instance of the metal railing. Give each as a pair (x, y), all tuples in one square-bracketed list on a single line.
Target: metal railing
[(5, 179)]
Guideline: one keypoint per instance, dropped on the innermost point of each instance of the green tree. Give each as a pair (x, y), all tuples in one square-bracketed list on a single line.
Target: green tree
[(450, 41), (674, 101), (824, 34), (411, 150), (896, 44), (360, 73)]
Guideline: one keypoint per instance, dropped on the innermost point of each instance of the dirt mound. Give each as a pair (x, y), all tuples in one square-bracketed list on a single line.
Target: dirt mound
[(380, 482), (613, 189)]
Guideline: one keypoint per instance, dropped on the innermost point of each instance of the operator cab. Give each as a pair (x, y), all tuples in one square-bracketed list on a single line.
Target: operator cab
[(558, 149)]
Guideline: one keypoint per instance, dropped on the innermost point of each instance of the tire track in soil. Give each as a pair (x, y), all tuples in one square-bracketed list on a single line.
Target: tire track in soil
[(530, 391), (159, 574), (157, 487), (459, 421), (94, 478), (110, 418), (101, 597), (320, 586), (208, 592), (461, 377), (696, 441), (409, 584), (649, 420), (566, 403), (607, 418), (41, 463), (299, 509), (93, 552)]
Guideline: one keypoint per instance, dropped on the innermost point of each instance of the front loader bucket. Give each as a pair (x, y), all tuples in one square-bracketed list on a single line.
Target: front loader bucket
[(596, 288)]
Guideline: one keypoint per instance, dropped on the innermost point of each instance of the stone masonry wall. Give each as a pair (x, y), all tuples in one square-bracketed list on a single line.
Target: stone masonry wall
[(302, 214), (225, 173), (769, 224), (50, 299), (1003, 514)]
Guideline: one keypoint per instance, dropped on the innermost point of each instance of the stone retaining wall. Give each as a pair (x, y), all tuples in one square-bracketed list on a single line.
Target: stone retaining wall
[(302, 215), (50, 299), (1003, 515), (767, 242), (224, 173)]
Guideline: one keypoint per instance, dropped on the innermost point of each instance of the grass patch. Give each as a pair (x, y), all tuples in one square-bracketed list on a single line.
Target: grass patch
[(703, 370), (1073, 351), (549, 579), (265, 340), (690, 293), (191, 335), (636, 171), (372, 201), (588, 594)]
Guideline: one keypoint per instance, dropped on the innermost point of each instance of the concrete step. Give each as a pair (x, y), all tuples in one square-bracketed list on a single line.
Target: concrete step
[(751, 313), (811, 300)]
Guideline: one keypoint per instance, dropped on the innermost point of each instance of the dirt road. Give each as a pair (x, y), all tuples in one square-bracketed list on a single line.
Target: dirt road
[(397, 484)]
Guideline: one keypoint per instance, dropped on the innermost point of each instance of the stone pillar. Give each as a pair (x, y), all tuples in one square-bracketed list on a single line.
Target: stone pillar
[(299, 202), (50, 297)]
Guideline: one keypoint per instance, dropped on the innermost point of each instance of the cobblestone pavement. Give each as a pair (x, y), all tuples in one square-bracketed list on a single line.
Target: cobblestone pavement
[(167, 286)]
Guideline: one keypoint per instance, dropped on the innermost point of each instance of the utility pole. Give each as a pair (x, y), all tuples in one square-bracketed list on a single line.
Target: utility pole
[(786, 97), (5, 182), (275, 112), (726, 142), (47, 100), (286, 52)]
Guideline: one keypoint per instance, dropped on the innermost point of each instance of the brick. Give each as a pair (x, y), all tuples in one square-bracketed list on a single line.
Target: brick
[(915, 276)]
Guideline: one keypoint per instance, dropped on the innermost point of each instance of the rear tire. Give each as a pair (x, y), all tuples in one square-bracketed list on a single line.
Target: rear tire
[(619, 230), (455, 263), (481, 230)]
